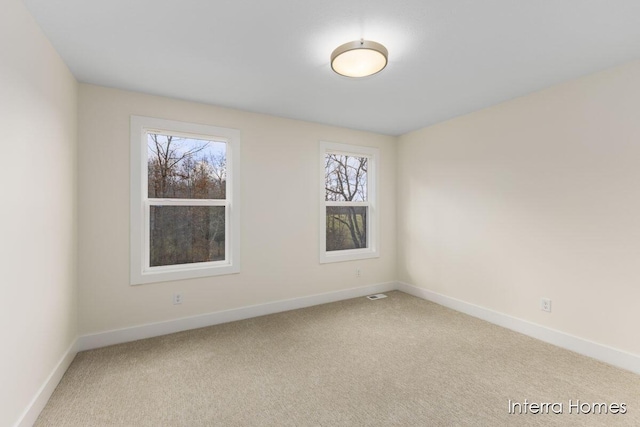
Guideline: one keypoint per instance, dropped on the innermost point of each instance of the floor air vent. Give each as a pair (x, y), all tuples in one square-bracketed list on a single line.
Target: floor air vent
[(376, 296)]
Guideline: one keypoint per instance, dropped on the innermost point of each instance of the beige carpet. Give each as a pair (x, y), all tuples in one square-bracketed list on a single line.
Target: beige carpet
[(399, 361)]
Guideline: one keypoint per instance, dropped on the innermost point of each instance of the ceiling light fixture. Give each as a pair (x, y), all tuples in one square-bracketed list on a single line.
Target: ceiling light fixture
[(359, 58)]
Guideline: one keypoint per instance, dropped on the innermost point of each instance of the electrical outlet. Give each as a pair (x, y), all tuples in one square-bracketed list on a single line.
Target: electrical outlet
[(177, 298), (545, 304), (358, 272)]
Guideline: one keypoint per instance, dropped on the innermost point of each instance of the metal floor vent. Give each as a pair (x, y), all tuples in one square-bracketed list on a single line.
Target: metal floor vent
[(376, 296)]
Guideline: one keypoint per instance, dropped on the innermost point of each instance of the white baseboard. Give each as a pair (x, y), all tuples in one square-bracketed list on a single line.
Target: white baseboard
[(579, 345), (102, 339), (30, 414), (588, 348), (610, 355)]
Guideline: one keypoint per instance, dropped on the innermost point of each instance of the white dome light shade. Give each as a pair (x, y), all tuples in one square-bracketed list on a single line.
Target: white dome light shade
[(359, 58)]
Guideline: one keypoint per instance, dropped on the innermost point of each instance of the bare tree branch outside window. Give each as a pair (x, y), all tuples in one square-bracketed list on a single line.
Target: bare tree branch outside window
[(184, 168), (346, 181)]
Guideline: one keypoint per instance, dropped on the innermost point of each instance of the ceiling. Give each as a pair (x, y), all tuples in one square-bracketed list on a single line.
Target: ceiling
[(446, 57)]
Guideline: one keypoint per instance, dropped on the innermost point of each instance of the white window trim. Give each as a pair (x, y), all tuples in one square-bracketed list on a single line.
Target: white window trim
[(372, 203), (140, 272)]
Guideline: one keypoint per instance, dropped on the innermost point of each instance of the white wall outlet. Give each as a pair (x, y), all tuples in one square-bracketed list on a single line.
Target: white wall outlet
[(358, 272), (177, 298), (545, 304)]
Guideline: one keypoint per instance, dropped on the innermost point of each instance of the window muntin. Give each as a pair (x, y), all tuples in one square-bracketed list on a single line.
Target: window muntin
[(348, 214), (184, 216)]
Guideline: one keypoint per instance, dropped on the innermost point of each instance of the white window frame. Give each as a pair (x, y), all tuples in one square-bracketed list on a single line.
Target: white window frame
[(141, 272), (372, 251)]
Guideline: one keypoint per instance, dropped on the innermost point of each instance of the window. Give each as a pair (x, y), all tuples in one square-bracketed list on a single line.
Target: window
[(348, 210), (184, 200)]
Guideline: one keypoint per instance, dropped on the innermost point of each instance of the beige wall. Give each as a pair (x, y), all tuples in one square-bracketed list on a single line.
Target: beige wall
[(536, 197), (38, 236), (280, 202)]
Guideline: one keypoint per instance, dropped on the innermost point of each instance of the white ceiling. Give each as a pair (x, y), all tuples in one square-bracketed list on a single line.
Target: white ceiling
[(446, 57)]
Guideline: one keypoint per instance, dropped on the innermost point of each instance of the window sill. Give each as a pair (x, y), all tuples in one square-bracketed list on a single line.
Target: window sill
[(348, 255), (138, 278)]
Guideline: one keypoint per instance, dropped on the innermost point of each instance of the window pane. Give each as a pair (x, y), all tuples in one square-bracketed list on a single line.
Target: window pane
[(345, 178), (346, 227), (185, 168), (186, 234)]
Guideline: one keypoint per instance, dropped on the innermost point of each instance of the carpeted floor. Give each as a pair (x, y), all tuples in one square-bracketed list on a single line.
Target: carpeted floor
[(398, 361)]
